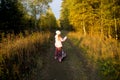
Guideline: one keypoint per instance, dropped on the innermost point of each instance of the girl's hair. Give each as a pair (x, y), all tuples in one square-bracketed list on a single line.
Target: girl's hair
[(59, 36)]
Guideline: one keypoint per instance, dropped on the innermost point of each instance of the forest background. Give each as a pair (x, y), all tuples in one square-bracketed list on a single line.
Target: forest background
[(29, 22)]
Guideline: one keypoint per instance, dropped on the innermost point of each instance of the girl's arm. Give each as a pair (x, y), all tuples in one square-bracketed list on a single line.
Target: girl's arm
[(63, 39)]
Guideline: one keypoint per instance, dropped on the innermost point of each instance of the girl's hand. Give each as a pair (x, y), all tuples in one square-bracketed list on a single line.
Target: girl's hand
[(65, 37)]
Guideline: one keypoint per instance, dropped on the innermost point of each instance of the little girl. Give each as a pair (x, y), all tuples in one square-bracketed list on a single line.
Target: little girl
[(58, 45)]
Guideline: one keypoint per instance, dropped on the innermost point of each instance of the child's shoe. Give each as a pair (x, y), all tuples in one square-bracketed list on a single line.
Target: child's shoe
[(60, 60)]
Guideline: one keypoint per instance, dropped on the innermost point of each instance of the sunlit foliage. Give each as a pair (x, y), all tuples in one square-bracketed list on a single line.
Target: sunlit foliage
[(47, 21), (92, 16)]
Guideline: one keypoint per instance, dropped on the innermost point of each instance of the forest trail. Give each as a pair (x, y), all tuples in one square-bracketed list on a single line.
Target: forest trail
[(73, 67)]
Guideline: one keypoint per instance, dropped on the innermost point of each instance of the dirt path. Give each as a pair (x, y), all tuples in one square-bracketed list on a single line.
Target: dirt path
[(73, 67)]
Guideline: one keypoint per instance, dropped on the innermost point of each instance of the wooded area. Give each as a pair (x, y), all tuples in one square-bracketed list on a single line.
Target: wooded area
[(88, 16), (92, 16), (20, 15), (27, 30)]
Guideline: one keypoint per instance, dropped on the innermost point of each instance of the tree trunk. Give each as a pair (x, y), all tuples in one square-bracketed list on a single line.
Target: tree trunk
[(101, 24), (116, 36), (84, 29)]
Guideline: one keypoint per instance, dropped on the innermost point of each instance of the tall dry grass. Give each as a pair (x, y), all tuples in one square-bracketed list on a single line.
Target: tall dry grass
[(101, 52), (18, 54)]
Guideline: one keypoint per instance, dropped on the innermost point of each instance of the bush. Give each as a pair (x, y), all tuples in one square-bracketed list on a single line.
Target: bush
[(109, 69)]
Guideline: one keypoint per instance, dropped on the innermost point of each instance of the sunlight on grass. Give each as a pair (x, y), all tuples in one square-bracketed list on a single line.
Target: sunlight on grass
[(18, 54), (101, 52), (104, 48)]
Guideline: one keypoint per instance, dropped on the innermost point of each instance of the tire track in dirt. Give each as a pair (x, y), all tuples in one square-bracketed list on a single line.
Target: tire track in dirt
[(83, 70)]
